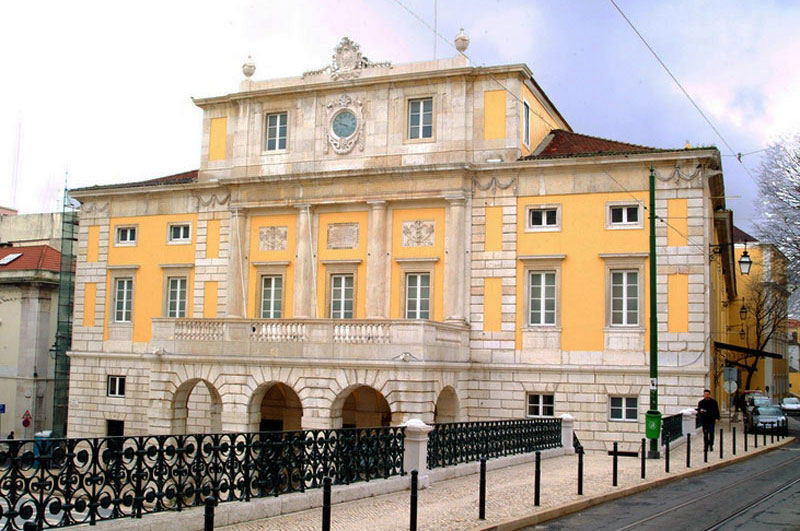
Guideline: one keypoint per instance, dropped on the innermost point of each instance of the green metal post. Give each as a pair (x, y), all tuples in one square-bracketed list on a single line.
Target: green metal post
[(653, 453)]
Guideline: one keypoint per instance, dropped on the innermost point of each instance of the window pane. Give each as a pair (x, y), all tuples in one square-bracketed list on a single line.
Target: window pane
[(551, 217), (427, 105), (427, 131), (536, 217), (633, 214), (271, 144), (414, 120), (616, 215), (425, 280)]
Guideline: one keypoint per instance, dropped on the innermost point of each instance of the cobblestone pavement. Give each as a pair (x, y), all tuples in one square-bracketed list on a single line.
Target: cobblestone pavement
[(453, 504)]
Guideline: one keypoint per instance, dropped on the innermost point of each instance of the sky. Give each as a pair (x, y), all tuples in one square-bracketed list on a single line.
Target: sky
[(100, 92)]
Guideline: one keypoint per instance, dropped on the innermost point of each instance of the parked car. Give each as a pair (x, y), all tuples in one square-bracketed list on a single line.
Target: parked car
[(769, 419), (790, 405), (752, 402)]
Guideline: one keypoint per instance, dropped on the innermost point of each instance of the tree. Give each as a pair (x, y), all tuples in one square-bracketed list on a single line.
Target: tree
[(779, 202)]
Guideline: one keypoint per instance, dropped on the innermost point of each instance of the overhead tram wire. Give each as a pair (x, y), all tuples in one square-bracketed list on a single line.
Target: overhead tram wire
[(552, 126), (685, 93)]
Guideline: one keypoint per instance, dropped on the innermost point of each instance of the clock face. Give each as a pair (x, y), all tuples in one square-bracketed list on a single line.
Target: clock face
[(344, 124)]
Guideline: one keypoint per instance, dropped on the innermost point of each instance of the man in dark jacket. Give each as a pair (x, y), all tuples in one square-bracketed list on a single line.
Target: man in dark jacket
[(708, 410)]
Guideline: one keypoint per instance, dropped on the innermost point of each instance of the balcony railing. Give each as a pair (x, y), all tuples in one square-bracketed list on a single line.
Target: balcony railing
[(410, 340)]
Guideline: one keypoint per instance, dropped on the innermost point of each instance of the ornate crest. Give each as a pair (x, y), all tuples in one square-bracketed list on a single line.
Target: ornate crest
[(272, 238), (418, 233), (347, 62), (345, 145)]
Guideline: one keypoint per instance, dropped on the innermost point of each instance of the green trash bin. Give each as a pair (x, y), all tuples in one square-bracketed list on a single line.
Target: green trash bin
[(653, 424)]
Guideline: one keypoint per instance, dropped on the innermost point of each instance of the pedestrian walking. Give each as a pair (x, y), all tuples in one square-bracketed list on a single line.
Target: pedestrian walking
[(708, 410), (738, 405), (10, 435)]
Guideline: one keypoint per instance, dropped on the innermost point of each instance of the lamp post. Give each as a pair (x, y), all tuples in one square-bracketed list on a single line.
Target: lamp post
[(653, 416)]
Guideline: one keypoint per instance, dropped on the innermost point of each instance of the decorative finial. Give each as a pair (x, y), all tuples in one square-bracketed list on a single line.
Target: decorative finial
[(249, 67), (687, 145), (461, 41)]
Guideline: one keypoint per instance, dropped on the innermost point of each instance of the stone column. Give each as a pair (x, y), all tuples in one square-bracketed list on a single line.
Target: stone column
[(303, 269), (236, 266), (376, 261), (415, 456), (454, 248)]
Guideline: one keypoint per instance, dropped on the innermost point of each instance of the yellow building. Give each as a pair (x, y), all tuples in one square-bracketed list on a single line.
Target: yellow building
[(369, 243)]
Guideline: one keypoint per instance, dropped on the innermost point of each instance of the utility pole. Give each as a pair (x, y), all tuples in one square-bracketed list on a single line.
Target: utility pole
[(653, 416)]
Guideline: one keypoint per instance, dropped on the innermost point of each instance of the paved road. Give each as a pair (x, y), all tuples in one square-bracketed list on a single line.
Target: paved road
[(759, 493)]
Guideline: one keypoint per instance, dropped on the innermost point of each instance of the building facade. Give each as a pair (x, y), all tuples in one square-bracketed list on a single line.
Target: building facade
[(370, 243)]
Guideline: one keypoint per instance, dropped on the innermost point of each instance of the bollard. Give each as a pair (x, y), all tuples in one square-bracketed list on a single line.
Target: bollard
[(688, 450), (772, 432), (733, 438), (326, 503), (745, 438), (705, 450), (537, 479), (666, 459), (211, 502), (765, 436), (413, 523), (29, 526), (644, 449), (580, 472), (614, 476), (755, 438), (482, 494), (720, 443)]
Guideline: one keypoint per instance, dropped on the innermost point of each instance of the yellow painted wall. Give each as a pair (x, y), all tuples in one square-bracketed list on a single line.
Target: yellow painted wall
[(149, 253), (494, 229), (210, 298), (359, 253), (582, 238), (93, 243), (218, 139), (541, 122), (794, 383), (89, 302), (435, 251), (212, 239), (494, 114), (678, 303), (492, 304), (677, 214), (256, 255)]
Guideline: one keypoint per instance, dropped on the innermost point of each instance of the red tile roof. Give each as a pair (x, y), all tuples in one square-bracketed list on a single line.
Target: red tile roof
[(33, 257), (169, 180), (740, 236), (563, 144)]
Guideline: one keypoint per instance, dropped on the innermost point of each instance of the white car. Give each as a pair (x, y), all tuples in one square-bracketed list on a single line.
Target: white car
[(790, 405)]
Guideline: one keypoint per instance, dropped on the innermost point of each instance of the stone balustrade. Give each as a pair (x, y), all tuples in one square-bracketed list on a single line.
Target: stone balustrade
[(373, 339)]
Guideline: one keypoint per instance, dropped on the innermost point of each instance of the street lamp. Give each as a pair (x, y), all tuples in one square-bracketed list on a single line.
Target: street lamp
[(745, 262), (743, 311)]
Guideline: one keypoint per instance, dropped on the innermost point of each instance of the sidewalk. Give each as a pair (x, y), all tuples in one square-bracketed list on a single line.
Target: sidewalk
[(453, 504)]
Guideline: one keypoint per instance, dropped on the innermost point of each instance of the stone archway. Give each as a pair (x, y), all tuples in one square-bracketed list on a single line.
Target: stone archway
[(196, 408), (446, 409), (361, 406), (275, 407)]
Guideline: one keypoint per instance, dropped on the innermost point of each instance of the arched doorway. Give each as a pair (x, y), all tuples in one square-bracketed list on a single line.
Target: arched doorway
[(275, 407), (362, 407), (446, 409), (196, 408)]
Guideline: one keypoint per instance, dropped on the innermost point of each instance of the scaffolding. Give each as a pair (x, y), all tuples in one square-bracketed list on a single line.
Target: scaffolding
[(66, 293)]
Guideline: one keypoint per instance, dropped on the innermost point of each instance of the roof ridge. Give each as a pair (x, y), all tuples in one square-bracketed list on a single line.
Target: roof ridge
[(594, 137)]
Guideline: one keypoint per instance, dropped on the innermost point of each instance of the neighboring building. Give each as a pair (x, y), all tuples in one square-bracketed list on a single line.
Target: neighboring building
[(370, 242), (793, 350), (28, 308), (759, 341)]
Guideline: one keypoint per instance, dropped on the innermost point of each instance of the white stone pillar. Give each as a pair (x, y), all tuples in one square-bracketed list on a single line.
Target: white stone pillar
[(376, 261), (688, 420), (415, 456), (454, 269), (303, 270), (236, 266), (567, 429)]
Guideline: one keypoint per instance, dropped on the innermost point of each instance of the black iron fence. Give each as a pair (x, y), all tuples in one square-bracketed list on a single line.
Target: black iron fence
[(62, 482), (671, 428), (464, 442)]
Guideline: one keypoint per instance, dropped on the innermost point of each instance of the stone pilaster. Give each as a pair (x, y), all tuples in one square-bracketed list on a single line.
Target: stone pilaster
[(236, 266), (303, 272), (454, 264), (376, 261)]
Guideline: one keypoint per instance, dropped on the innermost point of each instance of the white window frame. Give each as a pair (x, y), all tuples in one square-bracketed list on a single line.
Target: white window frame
[(186, 233), (542, 299), (530, 227), (419, 130), (627, 262), (177, 313), (537, 400), (625, 224), (526, 124), (339, 294), (118, 229), (115, 386), (545, 263), (624, 409), (625, 311), (273, 311), (282, 116), (127, 300), (418, 299), (418, 265)]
